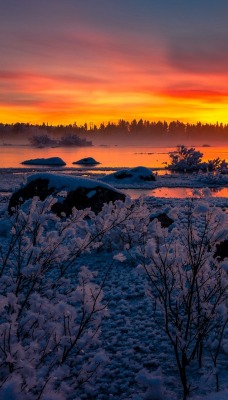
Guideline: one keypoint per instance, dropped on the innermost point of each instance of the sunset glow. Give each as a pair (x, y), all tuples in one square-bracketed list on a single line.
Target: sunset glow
[(62, 63)]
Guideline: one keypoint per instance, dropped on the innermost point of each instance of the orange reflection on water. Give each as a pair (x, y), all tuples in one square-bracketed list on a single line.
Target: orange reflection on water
[(114, 157), (172, 193)]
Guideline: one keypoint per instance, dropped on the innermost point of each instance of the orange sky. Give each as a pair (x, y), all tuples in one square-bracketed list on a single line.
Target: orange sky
[(66, 63)]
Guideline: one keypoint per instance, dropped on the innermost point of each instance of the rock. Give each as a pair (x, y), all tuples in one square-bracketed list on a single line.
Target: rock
[(45, 161), (86, 198), (221, 250), (39, 187), (81, 193), (86, 161), (131, 175), (122, 174), (163, 219)]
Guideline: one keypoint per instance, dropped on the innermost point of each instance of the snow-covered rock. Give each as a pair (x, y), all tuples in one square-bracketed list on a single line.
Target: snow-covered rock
[(45, 161), (130, 175), (163, 218), (69, 191), (86, 161), (222, 250)]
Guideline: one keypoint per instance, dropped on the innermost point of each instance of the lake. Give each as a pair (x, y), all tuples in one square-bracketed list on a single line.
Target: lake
[(174, 193), (113, 157)]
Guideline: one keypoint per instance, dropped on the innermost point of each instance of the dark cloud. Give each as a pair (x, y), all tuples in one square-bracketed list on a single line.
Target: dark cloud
[(200, 54)]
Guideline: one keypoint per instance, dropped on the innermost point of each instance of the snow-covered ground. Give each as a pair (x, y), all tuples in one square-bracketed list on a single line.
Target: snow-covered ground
[(140, 363), (12, 176)]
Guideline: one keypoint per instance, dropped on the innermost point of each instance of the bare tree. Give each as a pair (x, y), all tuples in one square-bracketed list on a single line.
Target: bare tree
[(188, 285), (51, 308)]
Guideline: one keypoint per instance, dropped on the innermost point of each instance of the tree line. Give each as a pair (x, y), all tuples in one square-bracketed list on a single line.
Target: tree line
[(123, 130)]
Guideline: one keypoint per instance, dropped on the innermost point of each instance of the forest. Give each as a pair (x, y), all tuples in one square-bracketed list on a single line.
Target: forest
[(122, 131)]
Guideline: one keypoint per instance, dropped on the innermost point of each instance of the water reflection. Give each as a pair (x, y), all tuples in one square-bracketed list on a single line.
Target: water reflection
[(178, 193), (117, 157)]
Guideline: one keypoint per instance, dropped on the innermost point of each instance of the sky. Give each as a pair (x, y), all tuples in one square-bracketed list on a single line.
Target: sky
[(94, 61)]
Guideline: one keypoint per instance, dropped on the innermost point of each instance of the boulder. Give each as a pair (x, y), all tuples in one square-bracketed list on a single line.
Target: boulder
[(86, 161), (163, 219), (86, 198), (38, 187), (221, 250), (80, 193), (45, 161), (131, 175)]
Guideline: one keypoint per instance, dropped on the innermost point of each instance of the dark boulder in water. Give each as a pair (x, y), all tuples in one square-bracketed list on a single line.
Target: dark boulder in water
[(45, 161), (86, 161)]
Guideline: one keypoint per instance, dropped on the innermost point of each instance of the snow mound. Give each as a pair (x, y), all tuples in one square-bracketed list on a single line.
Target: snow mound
[(68, 183), (69, 192), (45, 161), (130, 175), (86, 161)]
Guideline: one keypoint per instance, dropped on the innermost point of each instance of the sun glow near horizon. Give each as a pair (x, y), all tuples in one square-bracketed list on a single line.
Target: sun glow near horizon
[(60, 99), (63, 106), (61, 64)]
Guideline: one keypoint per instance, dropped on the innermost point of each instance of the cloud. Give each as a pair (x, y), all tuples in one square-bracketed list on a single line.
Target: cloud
[(200, 94), (199, 54)]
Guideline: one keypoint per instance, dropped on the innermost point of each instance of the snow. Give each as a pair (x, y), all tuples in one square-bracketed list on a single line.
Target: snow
[(222, 395), (45, 161), (138, 360), (10, 178), (86, 161), (69, 182), (224, 265), (128, 176)]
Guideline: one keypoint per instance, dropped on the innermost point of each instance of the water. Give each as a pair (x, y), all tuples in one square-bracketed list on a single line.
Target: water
[(178, 193), (110, 158), (113, 157)]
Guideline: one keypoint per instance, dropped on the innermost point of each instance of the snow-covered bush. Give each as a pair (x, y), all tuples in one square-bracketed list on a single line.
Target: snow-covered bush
[(223, 167), (212, 178), (51, 309), (52, 306), (48, 318), (129, 232), (188, 286), (216, 164), (185, 159)]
